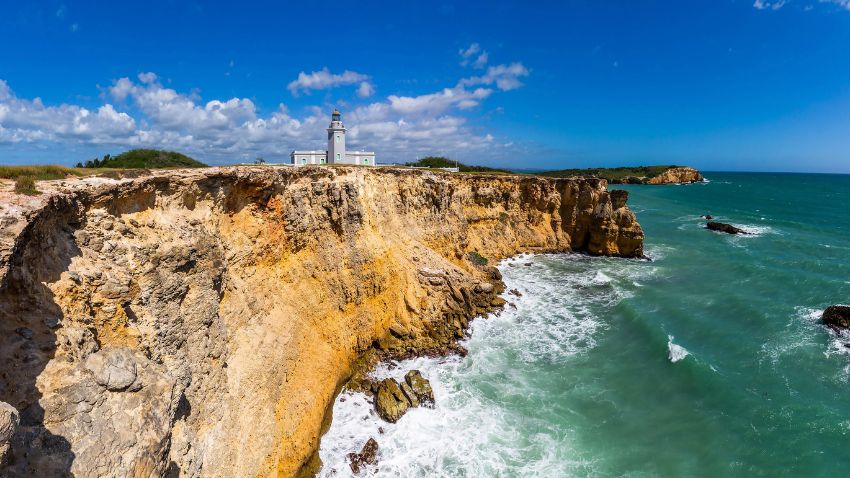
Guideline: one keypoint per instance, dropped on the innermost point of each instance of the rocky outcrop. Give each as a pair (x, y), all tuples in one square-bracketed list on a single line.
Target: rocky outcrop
[(677, 175), (393, 399), (837, 317), (723, 227), (199, 323), (367, 456)]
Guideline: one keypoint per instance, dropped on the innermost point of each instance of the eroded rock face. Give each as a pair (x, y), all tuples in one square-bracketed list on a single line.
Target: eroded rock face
[(198, 323), (9, 421), (677, 176)]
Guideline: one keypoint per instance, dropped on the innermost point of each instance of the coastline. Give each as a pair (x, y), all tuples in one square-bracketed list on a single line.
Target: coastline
[(353, 254)]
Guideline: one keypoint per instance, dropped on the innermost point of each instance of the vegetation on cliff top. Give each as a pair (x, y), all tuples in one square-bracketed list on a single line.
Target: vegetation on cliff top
[(611, 174), (443, 162), (144, 159)]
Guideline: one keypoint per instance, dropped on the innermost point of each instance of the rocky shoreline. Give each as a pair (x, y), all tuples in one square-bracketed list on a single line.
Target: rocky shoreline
[(139, 317)]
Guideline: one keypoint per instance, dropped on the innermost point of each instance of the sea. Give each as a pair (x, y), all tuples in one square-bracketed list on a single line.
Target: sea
[(709, 360)]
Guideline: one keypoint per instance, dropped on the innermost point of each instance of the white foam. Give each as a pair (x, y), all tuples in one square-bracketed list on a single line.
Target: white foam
[(675, 352), (468, 432)]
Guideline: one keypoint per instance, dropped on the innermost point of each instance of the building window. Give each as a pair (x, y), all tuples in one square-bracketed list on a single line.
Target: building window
[(337, 154), (321, 160), (303, 160), (337, 139), (365, 161)]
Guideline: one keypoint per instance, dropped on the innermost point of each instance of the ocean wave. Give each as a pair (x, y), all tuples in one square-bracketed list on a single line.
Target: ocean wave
[(675, 353), (469, 432)]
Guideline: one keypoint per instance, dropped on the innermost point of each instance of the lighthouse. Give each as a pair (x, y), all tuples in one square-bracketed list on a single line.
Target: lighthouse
[(336, 139)]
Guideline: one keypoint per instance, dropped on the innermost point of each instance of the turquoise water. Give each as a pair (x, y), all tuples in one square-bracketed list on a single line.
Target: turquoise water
[(707, 361)]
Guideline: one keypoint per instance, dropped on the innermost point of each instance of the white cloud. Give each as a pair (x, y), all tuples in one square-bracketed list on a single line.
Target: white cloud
[(473, 55), (365, 90), (481, 61), (505, 77), (436, 103), (142, 112), (768, 4), (324, 79)]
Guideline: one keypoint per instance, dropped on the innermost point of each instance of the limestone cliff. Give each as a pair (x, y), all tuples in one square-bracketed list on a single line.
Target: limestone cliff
[(675, 175), (199, 323)]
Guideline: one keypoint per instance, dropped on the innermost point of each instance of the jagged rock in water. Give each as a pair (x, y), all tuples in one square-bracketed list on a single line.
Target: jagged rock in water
[(9, 420), (837, 317), (390, 401), (421, 387), (367, 456), (707, 216), (722, 227)]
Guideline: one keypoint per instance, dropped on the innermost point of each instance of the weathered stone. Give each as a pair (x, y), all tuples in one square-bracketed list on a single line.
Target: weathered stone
[(113, 368), (619, 198), (9, 420), (484, 288), (421, 387), (390, 401), (497, 301), (837, 316), (367, 456), (409, 393)]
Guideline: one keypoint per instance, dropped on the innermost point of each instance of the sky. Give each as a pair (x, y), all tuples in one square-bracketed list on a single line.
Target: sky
[(725, 85)]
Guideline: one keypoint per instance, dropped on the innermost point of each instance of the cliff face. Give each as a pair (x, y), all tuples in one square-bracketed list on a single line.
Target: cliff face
[(676, 176), (199, 323)]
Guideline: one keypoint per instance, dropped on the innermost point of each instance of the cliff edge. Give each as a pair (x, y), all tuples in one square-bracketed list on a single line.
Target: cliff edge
[(199, 322)]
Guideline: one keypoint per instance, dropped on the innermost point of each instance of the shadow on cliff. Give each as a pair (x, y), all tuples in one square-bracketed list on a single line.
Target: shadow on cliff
[(29, 317)]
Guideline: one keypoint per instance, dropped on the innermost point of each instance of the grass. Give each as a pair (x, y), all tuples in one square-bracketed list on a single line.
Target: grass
[(443, 162), (26, 185), (611, 174), (41, 173), (477, 259)]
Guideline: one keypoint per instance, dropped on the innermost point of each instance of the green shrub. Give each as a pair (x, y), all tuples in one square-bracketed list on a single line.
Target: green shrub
[(26, 185), (477, 259)]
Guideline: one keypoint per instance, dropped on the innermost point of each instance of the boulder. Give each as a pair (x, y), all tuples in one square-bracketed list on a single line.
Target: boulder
[(837, 317), (367, 456), (421, 387), (113, 368), (390, 402), (722, 227), (9, 421)]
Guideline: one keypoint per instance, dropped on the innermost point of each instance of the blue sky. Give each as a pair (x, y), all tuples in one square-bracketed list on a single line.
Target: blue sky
[(720, 84)]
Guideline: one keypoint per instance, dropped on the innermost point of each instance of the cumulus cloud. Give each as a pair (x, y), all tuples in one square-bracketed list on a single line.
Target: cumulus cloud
[(141, 112), (505, 77), (25, 120), (324, 79)]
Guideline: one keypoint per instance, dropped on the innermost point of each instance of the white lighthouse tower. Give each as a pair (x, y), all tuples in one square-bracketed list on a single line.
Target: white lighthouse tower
[(336, 140)]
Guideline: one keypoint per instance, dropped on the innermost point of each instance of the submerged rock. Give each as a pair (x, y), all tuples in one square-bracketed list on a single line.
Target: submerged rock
[(707, 216), (723, 227), (367, 456), (837, 317)]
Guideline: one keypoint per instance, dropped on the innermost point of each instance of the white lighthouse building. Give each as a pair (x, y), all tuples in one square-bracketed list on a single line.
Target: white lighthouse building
[(336, 152)]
